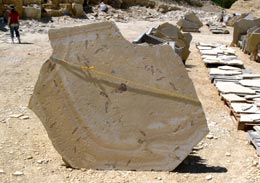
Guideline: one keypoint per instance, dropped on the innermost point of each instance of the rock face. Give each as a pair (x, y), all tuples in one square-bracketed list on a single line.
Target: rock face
[(110, 104), (190, 23)]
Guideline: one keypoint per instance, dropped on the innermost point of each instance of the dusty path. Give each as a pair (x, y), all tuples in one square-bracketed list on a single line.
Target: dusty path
[(25, 147)]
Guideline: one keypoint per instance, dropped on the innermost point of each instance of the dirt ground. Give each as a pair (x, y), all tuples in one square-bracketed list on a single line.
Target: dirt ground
[(225, 156)]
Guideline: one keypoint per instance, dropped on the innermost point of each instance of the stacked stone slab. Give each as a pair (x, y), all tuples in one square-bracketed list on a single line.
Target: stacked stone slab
[(110, 104), (32, 9), (190, 23)]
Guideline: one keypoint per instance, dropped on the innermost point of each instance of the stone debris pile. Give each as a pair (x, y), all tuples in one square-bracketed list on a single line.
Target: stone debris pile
[(111, 104), (190, 23), (239, 88), (167, 34)]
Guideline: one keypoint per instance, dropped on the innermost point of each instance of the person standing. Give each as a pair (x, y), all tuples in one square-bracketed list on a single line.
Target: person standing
[(13, 23)]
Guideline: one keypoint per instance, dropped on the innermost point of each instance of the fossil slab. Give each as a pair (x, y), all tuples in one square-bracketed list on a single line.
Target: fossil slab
[(110, 104)]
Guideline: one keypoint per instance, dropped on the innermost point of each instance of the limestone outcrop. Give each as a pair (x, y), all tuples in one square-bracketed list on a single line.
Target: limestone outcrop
[(110, 104)]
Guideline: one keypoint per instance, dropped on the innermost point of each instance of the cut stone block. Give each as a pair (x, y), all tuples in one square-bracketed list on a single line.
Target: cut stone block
[(32, 12), (77, 9), (133, 108)]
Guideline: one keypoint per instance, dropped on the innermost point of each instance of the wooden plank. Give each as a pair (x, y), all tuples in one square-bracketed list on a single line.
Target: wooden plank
[(257, 129), (253, 138)]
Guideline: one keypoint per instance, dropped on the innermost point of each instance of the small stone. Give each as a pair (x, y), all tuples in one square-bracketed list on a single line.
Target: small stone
[(39, 168), (70, 169), (18, 173), (29, 157), (210, 136), (24, 117), (159, 178), (228, 154), (40, 161), (83, 169), (208, 177), (255, 163), (2, 171)]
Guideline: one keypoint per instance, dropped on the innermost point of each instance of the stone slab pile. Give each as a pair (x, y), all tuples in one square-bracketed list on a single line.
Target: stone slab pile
[(109, 104), (239, 89), (167, 34), (213, 54), (218, 28)]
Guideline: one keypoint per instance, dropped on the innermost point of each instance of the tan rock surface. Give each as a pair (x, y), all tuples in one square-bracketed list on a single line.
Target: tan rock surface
[(95, 121), (246, 6)]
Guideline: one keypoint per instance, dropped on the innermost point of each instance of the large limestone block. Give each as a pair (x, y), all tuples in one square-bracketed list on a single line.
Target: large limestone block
[(241, 27), (190, 23), (32, 12), (18, 5), (114, 116), (29, 2), (54, 13), (77, 9), (192, 17), (252, 42), (67, 8), (170, 32)]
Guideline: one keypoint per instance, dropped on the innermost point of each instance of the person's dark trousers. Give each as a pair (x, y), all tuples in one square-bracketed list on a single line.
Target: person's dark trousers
[(14, 29)]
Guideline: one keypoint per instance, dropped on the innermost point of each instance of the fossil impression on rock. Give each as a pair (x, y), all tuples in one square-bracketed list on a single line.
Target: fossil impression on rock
[(109, 104)]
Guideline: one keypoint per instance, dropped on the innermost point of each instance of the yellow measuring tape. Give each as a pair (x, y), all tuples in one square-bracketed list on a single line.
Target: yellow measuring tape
[(161, 91)]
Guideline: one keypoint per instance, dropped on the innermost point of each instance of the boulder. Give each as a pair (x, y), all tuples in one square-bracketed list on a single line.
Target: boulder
[(67, 8), (190, 23), (109, 104), (77, 10), (32, 12)]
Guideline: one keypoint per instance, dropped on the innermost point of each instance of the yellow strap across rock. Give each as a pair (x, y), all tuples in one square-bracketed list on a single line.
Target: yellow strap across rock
[(161, 91)]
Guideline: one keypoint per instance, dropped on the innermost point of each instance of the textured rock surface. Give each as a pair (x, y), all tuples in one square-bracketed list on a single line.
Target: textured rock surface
[(100, 122)]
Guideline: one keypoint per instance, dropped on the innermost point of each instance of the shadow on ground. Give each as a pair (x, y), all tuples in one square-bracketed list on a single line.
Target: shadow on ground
[(195, 164)]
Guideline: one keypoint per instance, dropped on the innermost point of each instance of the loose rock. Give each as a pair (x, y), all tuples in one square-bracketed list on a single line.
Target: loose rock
[(227, 154), (208, 177), (18, 173)]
